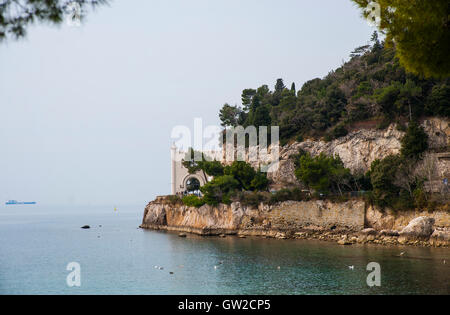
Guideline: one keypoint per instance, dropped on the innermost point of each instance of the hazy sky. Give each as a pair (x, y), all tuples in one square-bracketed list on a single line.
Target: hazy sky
[(86, 113)]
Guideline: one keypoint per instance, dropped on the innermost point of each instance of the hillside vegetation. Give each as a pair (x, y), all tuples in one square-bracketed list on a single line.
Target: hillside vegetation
[(370, 86)]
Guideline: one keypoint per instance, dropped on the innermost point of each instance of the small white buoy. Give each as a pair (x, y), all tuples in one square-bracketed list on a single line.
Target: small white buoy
[(215, 267), (278, 267)]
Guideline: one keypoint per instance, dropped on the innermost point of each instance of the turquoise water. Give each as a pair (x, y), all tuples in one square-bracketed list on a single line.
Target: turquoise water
[(37, 243)]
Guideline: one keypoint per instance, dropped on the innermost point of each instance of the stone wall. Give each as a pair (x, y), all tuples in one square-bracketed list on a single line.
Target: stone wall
[(346, 223), (234, 218)]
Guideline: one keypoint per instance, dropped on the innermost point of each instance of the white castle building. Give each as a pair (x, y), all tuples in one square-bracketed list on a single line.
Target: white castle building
[(180, 175), (181, 178)]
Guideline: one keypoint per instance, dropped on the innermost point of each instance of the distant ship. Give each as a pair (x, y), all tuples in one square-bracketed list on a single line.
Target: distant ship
[(15, 202)]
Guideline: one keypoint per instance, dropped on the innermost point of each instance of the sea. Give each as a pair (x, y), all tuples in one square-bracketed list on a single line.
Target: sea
[(38, 243)]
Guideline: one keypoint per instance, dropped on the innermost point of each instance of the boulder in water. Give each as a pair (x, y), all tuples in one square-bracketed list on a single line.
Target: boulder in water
[(417, 229)]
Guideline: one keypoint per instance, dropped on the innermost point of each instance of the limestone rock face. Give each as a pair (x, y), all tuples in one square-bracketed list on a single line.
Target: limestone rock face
[(157, 215), (359, 148), (419, 228), (438, 131), (271, 220)]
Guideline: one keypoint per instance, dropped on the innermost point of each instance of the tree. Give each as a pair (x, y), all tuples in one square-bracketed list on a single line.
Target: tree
[(383, 174), (219, 190), (387, 97), (293, 90), (243, 172), (279, 86), (261, 117), (415, 141), (229, 115), (322, 173), (17, 15), (438, 101), (259, 182), (420, 31), (247, 97), (196, 161), (408, 96)]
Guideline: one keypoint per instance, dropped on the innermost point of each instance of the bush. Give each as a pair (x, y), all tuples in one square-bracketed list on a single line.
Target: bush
[(415, 141), (420, 198), (173, 199), (382, 176), (220, 190), (193, 201), (295, 194), (252, 199), (323, 173)]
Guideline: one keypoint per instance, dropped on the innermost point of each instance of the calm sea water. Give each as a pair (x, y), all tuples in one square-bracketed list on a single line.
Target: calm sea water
[(37, 243)]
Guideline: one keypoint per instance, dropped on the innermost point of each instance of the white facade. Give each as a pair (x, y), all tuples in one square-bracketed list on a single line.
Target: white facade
[(180, 174)]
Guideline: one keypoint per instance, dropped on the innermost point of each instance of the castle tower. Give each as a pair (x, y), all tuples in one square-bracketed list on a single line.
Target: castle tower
[(173, 152), (180, 175)]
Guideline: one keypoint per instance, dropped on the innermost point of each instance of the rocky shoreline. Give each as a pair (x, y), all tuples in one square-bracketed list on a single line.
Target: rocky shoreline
[(299, 220)]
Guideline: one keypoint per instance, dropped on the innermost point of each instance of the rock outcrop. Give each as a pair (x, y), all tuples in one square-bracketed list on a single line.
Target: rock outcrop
[(420, 228), (346, 223), (360, 148)]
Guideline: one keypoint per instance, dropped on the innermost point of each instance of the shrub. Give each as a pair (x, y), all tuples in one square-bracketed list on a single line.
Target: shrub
[(252, 199), (173, 199), (415, 141), (295, 194), (382, 176), (193, 201), (219, 190), (323, 173)]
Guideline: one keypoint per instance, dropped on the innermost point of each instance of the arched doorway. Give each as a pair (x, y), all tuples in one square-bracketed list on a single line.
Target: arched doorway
[(192, 184)]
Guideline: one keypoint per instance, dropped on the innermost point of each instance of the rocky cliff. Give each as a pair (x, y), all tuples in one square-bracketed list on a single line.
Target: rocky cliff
[(347, 223), (360, 148)]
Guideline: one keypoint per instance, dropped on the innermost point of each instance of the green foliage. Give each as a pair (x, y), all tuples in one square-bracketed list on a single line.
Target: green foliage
[(196, 161), (246, 176), (415, 141), (288, 195), (252, 199), (16, 16), (173, 199), (259, 182), (383, 175), (438, 101), (213, 168), (193, 201), (420, 31), (372, 85), (336, 132), (219, 190), (229, 115), (323, 173), (227, 180)]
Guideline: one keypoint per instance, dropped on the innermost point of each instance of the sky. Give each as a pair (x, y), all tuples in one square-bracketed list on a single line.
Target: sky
[(86, 112)]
